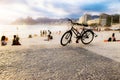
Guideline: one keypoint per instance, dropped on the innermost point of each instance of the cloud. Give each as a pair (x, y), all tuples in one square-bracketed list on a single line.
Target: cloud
[(12, 1), (12, 9), (62, 8), (47, 8), (114, 8)]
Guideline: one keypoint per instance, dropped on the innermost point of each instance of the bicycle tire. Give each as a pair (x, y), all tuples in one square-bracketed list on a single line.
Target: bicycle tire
[(86, 35), (67, 36)]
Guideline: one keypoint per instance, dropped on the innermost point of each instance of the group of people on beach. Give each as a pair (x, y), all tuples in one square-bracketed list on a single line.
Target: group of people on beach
[(43, 33), (49, 35), (15, 41)]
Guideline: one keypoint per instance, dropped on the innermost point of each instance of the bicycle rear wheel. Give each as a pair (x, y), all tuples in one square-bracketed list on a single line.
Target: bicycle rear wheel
[(66, 38), (87, 37)]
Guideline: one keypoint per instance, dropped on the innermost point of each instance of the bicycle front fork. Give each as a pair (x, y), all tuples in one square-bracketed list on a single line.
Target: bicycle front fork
[(95, 35)]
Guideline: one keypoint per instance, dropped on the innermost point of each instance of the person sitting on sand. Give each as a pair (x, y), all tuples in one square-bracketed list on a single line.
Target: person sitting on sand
[(16, 40), (3, 41), (112, 38)]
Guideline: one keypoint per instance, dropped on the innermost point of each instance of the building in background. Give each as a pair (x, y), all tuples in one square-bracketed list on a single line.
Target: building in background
[(104, 20), (94, 21), (101, 20), (83, 19)]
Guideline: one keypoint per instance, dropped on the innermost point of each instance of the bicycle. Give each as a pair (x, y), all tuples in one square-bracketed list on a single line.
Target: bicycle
[(86, 35)]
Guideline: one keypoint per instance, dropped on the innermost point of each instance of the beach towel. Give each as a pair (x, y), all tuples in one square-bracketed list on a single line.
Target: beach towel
[(111, 41)]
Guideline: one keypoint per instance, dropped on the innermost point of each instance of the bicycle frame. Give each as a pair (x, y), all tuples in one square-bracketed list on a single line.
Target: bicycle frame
[(76, 32)]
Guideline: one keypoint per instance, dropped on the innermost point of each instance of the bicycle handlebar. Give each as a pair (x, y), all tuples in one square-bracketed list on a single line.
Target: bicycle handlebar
[(77, 23)]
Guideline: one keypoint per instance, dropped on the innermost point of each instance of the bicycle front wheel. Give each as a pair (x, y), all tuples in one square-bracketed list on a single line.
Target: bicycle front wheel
[(66, 38), (87, 37)]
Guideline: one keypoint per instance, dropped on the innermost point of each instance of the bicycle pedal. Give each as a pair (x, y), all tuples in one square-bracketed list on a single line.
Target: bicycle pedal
[(96, 35), (77, 41)]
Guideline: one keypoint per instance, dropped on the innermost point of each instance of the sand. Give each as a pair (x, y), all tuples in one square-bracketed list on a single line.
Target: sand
[(37, 59)]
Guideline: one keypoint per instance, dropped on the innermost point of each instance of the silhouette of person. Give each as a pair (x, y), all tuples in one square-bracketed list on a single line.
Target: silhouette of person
[(16, 40), (112, 38), (49, 35)]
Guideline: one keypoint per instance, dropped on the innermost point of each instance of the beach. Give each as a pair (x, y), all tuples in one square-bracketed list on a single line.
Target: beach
[(59, 40), (37, 59)]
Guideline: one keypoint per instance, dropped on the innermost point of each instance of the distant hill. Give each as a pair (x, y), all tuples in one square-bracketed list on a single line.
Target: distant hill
[(95, 16), (28, 20), (31, 21)]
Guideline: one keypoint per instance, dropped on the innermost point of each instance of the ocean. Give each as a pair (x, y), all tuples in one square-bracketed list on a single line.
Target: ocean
[(25, 30)]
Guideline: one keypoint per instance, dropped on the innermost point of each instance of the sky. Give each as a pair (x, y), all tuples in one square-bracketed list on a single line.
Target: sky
[(11, 10)]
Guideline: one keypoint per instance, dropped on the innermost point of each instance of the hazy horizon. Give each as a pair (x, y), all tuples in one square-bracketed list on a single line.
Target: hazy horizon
[(24, 30)]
